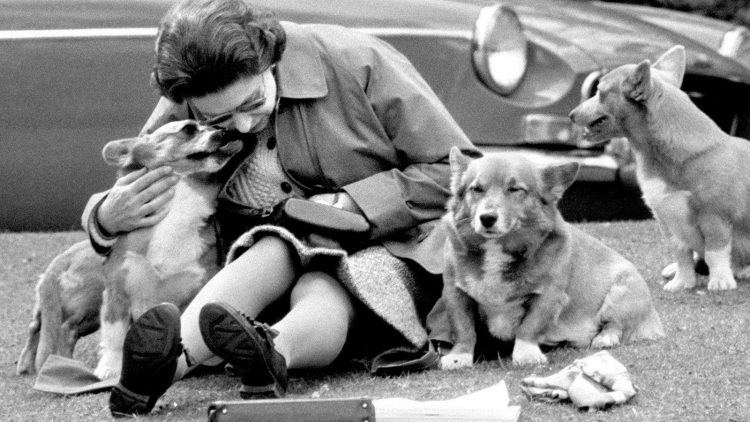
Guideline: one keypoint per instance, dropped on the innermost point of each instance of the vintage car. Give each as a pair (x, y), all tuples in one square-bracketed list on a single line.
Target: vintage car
[(74, 74)]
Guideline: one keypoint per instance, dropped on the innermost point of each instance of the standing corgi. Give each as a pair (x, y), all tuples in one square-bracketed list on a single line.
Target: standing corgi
[(693, 175)]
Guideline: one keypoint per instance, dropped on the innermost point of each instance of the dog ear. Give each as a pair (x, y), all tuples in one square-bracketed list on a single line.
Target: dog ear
[(556, 179), (119, 153), (671, 65), (637, 85), (459, 163)]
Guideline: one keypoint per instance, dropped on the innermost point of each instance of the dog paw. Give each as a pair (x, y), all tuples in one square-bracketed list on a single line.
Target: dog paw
[(529, 359), (680, 283), (24, 368), (700, 268), (109, 366), (606, 340), (527, 354), (456, 361), (742, 273), (722, 283), (669, 271), (25, 363), (105, 372)]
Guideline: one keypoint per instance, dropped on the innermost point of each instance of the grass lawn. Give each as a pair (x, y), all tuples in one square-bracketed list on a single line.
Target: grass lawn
[(700, 372)]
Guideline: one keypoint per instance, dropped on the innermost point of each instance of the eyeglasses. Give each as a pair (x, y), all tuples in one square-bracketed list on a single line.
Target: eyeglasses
[(251, 104)]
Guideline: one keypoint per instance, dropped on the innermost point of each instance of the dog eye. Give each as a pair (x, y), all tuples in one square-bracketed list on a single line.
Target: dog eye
[(476, 188), (190, 129), (514, 189)]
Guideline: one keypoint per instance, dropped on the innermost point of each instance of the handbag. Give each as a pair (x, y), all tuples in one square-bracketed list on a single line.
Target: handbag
[(323, 225), (322, 219), (315, 223)]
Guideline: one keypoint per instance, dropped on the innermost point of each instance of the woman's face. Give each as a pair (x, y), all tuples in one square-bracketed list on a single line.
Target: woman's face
[(244, 106)]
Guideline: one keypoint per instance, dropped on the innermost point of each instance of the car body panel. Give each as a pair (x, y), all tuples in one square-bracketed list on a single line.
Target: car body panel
[(729, 39), (79, 77), (704, 30), (618, 37)]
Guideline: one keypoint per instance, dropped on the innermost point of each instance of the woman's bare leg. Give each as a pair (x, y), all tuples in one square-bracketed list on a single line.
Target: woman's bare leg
[(250, 283), (313, 333)]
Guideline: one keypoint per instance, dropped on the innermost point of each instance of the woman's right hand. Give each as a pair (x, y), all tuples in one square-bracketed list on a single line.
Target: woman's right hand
[(138, 199)]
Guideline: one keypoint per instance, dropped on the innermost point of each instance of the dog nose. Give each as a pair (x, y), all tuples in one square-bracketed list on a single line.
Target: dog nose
[(488, 220)]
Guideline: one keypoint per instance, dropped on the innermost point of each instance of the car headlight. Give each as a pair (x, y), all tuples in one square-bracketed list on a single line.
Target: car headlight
[(736, 44), (499, 50)]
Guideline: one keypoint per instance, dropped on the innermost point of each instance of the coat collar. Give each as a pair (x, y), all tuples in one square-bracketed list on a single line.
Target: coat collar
[(300, 72)]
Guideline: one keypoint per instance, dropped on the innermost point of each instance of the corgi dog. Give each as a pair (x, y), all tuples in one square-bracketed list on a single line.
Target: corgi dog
[(167, 262), (513, 262), (68, 299), (693, 175)]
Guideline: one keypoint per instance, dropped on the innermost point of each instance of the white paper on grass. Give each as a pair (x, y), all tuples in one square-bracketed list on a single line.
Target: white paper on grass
[(488, 404)]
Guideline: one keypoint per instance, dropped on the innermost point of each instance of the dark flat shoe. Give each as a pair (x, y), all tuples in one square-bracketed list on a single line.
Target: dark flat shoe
[(248, 346), (152, 346)]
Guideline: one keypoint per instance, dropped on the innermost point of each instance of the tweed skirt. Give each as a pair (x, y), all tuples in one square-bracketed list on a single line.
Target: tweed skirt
[(382, 282)]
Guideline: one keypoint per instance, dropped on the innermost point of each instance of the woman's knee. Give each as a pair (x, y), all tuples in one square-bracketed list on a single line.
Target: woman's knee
[(275, 249), (317, 283), (270, 256), (255, 279), (323, 286)]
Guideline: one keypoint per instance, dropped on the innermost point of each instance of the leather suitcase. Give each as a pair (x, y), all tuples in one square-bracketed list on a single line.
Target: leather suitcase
[(293, 410)]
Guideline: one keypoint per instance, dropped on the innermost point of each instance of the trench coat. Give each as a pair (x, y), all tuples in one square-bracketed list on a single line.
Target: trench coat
[(354, 115)]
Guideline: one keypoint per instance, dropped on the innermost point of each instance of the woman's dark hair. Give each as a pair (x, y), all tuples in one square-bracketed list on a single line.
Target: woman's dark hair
[(203, 46)]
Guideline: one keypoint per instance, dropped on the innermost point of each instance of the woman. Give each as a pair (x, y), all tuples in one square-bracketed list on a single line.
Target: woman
[(335, 116)]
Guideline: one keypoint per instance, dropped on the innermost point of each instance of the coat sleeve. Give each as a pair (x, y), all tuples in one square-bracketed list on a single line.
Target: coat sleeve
[(422, 132), (101, 242)]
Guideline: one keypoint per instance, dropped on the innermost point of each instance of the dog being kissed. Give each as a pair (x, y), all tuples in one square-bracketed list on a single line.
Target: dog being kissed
[(693, 176), (532, 278), (168, 262)]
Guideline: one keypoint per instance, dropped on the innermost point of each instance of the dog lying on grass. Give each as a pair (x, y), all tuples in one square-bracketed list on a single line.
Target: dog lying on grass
[(692, 174), (168, 262), (528, 275)]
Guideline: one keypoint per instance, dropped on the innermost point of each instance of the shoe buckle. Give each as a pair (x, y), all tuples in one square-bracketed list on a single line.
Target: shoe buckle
[(269, 331), (265, 327)]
